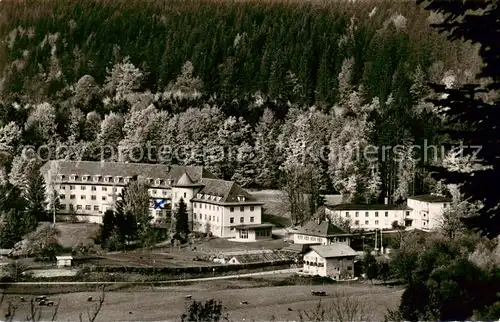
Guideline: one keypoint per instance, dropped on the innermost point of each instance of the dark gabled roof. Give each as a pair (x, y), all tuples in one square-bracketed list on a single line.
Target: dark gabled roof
[(334, 250), (229, 191), (195, 173), (431, 198), (114, 169), (186, 181), (125, 169), (323, 229), (362, 207)]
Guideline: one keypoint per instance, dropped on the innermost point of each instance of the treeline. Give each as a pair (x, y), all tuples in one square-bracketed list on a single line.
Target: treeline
[(238, 48), (279, 90)]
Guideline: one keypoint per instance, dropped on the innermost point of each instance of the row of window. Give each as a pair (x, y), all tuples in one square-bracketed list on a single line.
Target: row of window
[(115, 189), (82, 197), (241, 209), (107, 179), (79, 207), (216, 218), (209, 207), (97, 208), (92, 197), (214, 207), (347, 214), (312, 238), (307, 238), (317, 264), (367, 222), (367, 214), (242, 220), (210, 217)]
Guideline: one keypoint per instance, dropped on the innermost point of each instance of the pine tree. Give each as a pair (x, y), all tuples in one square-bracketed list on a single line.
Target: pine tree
[(108, 225), (12, 228), (36, 209), (181, 222), (469, 117)]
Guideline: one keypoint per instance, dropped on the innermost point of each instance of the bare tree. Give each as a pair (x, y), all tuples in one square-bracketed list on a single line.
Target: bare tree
[(344, 307), (97, 308), (35, 312), (317, 314)]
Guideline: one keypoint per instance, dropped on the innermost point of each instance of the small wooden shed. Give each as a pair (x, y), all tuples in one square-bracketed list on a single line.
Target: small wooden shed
[(64, 260)]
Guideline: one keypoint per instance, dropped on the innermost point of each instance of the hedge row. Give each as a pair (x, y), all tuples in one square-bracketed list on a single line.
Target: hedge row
[(187, 270)]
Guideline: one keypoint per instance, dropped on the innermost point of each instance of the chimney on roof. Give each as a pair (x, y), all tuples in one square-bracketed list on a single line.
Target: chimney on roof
[(318, 220), (386, 201)]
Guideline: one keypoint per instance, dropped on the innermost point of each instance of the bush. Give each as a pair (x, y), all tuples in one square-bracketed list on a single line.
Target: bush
[(211, 310)]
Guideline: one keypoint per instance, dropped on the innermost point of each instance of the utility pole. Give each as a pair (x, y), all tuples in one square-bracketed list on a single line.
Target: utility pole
[(381, 244), (54, 171)]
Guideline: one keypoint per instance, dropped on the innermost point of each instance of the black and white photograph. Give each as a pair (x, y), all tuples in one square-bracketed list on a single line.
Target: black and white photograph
[(249, 160)]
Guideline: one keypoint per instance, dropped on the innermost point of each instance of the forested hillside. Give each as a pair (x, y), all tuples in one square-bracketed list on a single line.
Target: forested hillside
[(287, 88)]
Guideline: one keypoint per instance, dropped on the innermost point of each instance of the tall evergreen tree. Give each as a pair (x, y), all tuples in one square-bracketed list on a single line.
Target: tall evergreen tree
[(12, 229), (181, 222), (108, 225), (471, 118), (36, 209)]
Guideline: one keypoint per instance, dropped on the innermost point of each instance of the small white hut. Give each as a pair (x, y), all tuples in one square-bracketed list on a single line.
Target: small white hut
[(64, 261)]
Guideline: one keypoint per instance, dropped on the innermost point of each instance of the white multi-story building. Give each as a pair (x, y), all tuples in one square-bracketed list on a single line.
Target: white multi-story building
[(423, 212), (371, 217), (335, 261), (427, 213), (87, 189), (221, 208)]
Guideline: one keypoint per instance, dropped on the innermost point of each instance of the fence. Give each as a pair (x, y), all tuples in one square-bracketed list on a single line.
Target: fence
[(190, 269)]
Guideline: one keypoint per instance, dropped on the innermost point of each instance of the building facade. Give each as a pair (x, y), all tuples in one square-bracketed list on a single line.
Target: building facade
[(371, 217), (87, 189), (423, 212), (335, 261), (321, 233), (222, 208), (427, 213)]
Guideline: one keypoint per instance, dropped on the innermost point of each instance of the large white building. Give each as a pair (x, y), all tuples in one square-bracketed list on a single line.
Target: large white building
[(370, 217), (423, 212), (222, 208), (427, 210), (87, 189)]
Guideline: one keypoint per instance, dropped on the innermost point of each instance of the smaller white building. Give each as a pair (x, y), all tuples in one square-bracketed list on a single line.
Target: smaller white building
[(335, 261), (321, 233), (64, 261), (427, 213), (371, 217)]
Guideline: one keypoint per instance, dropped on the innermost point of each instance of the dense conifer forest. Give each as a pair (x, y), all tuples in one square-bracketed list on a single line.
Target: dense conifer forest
[(286, 87)]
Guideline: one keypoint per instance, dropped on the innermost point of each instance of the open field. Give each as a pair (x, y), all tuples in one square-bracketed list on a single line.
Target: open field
[(168, 303), (74, 234)]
